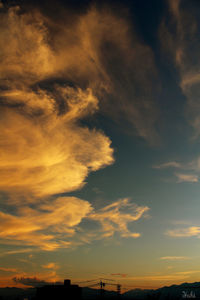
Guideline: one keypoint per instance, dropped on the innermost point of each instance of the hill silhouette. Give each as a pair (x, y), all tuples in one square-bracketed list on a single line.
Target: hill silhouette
[(184, 290)]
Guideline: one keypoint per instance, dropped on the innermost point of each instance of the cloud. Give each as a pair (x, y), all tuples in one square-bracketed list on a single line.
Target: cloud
[(176, 276), (192, 167), (44, 148), (123, 275), (174, 257), (188, 272), (179, 34), (59, 224), (11, 252), (116, 217), (33, 281), (24, 279), (42, 227), (50, 82), (185, 232), (170, 164), (186, 177), (54, 75), (51, 265), (54, 154), (10, 270), (106, 52), (44, 277)]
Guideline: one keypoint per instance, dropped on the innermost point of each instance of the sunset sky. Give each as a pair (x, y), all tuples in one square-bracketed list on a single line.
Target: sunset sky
[(100, 141)]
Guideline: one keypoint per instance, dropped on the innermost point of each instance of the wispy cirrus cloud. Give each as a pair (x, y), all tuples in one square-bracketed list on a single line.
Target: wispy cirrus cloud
[(182, 43), (169, 164), (51, 265), (57, 224), (123, 275), (191, 231), (189, 172), (186, 177), (116, 217), (19, 251), (9, 270), (174, 258)]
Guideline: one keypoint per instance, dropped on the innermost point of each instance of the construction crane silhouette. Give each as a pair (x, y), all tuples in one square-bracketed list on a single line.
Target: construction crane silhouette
[(103, 282)]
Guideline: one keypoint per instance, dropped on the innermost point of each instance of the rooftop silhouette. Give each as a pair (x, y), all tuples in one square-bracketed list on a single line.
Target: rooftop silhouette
[(66, 291)]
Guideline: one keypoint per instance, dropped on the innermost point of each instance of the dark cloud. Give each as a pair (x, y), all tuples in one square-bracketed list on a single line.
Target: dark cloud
[(33, 281), (179, 37)]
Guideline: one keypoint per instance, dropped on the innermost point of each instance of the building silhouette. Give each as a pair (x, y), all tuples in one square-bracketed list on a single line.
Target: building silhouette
[(59, 292)]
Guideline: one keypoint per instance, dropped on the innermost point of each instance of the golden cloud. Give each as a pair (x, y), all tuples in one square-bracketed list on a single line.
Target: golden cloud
[(9, 270), (26, 56), (32, 225), (24, 279), (174, 257), (50, 154), (54, 225), (52, 76), (113, 218), (51, 265), (185, 232), (49, 82), (123, 275), (44, 150)]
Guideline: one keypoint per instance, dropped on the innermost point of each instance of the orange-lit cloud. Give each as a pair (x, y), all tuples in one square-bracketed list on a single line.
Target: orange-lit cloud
[(11, 252), (24, 279), (174, 257), (44, 150), (9, 270), (43, 120), (185, 232), (50, 81), (57, 224), (51, 154), (116, 217), (186, 177), (41, 227), (51, 265), (123, 275)]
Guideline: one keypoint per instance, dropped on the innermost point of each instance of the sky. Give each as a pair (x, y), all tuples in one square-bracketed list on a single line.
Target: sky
[(99, 142)]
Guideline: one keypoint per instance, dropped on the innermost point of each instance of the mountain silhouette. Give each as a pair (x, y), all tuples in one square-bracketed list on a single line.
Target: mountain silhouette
[(172, 292)]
